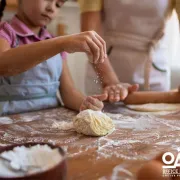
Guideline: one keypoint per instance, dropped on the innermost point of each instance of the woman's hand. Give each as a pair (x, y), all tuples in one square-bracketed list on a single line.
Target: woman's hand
[(89, 42), (119, 92), (93, 102)]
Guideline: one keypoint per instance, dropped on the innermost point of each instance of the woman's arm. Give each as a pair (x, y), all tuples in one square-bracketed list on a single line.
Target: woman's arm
[(115, 90), (93, 21), (17, 60)]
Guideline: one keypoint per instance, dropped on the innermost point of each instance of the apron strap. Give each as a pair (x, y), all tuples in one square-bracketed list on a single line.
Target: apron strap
[(149, 61)]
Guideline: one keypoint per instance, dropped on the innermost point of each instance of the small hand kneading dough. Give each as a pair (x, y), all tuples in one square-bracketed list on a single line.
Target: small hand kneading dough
[(93, 123), (154, 107)]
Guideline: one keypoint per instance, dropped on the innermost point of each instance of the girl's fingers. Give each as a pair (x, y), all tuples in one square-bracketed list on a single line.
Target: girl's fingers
[(99, 44), (94, 49), (82, 108), (94, 102), (93, 107), (103, 44), (83, 105)]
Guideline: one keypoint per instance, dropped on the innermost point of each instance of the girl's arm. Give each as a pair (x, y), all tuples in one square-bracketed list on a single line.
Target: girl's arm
[(72, 98), (17, 60), (93, 20)]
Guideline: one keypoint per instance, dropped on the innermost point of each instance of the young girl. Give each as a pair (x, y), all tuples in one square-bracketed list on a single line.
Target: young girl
[(31, 68)]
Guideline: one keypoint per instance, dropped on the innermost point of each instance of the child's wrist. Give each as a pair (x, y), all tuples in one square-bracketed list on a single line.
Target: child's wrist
[(61, 44)]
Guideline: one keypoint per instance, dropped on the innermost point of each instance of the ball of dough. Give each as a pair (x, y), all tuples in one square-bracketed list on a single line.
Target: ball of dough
[(93, 123)]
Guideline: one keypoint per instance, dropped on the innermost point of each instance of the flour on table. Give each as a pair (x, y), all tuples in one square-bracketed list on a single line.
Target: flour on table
[(93, 123), (6, 120), (136, 123), (63, 125), (155, 107)]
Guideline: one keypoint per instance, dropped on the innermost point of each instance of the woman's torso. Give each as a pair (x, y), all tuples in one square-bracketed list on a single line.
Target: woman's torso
[(131, 27)]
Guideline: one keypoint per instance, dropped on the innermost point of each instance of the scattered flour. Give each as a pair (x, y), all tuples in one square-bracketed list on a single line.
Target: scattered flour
[(109, 145), (29, 118), (6, 120), (63, 125), (107, 148), (132, 134), (138, 123)]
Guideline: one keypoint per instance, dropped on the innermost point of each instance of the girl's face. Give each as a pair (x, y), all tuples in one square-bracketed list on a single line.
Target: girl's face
[(40, 12)]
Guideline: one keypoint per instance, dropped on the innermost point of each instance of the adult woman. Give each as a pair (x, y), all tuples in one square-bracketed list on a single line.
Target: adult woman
[(140, 42)]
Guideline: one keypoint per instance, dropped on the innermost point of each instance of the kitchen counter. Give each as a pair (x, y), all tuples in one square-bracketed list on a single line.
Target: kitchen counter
[(138, 137)]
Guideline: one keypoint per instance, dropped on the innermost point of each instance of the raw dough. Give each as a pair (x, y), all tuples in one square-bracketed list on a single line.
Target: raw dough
[(155, 107), (93, 123)]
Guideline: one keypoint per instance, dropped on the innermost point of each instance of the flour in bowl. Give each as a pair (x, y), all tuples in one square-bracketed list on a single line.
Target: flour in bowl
[(23, 161)]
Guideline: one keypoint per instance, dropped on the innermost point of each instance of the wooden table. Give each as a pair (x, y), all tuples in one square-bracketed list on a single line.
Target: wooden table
[(137, 138)]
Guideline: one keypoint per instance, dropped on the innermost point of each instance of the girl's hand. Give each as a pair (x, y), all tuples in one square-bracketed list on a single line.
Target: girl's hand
[(89, 42), (119, 92), (93, 102)]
